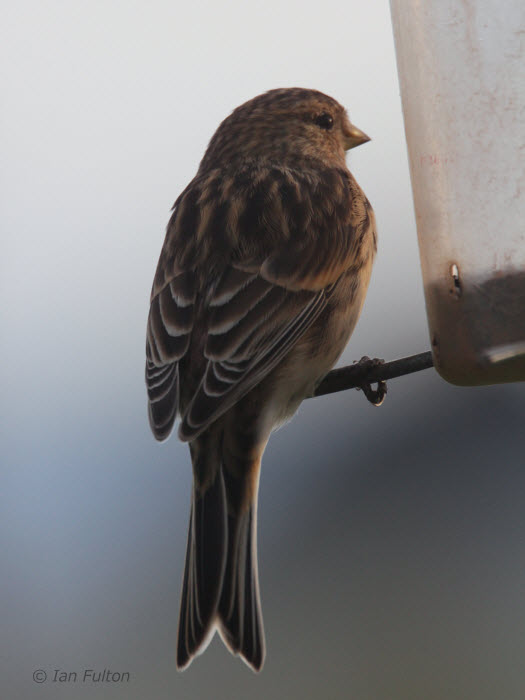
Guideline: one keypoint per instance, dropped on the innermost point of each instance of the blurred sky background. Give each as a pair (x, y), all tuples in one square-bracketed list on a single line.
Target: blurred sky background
[(391, 540)]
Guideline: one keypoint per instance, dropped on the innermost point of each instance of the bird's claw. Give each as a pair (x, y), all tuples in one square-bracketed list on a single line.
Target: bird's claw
[(375, 396)]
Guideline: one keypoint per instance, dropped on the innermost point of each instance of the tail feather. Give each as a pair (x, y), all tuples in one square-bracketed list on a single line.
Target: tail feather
[(204, 570), (240, 616), (220, 587)]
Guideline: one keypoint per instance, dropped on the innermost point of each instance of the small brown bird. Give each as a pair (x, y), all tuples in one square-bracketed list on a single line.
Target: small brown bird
[(260, 282)]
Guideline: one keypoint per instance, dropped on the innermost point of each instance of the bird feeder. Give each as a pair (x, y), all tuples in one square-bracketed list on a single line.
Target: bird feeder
[(462, 82)]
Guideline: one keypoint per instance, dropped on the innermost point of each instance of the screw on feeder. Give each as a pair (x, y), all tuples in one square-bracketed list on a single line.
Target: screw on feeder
[(454, 271)]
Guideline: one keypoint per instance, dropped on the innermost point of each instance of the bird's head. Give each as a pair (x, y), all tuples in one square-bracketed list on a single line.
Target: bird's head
[(286, 126)]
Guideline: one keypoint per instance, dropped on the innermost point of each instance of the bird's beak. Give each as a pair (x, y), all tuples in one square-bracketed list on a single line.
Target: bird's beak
[(354, 136)]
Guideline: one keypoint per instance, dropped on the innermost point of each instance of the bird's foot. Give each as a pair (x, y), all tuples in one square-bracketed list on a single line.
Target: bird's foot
[(375, 396)]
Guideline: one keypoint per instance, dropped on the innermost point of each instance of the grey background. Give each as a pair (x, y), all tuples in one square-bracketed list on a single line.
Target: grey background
[(391, 540)]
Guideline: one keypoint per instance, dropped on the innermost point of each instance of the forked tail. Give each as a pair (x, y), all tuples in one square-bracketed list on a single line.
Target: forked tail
[(220, 587)]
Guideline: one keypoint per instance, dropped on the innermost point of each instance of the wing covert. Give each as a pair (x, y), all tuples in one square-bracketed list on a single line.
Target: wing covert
[(170, 323)]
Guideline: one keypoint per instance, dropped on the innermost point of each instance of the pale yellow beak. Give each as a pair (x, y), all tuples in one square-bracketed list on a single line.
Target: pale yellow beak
[(354, 136)]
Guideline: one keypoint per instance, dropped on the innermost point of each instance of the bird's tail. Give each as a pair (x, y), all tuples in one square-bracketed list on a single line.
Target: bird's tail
[(220, 586)]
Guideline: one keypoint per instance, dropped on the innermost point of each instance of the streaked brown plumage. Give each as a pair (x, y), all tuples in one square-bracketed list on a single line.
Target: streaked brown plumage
[(260, 282)]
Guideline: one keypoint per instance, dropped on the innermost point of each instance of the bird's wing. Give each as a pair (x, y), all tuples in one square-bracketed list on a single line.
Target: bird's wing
[(288, 245), (252, 324)]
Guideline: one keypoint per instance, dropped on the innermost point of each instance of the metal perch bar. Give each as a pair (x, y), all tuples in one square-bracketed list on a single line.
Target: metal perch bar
[(354, 376)]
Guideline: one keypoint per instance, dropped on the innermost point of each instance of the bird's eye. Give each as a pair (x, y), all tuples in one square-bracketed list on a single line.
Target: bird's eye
[(324, 120)]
